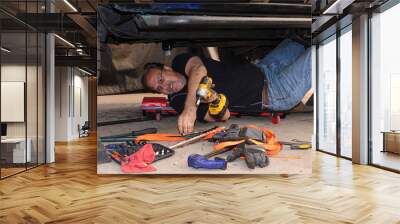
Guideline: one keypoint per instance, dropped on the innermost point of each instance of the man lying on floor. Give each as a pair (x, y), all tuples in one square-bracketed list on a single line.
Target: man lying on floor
[(278, 82)]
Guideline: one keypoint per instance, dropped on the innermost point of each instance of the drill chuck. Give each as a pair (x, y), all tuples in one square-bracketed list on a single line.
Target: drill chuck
[(204, 91), (198, 101)]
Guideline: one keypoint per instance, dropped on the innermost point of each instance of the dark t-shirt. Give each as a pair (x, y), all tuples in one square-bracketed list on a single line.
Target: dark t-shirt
[(241, 83)]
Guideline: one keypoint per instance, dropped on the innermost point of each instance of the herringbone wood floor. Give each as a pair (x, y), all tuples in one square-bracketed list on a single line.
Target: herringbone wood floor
[(70, 191)]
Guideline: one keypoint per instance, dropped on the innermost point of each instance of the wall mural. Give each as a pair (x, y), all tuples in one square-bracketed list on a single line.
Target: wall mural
[(197, 88)]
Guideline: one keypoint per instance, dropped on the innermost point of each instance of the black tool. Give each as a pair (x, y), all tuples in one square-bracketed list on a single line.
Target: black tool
[(118, 158), (162, 151), (118, 152), (122, 137), (297, 144), (199, 133)]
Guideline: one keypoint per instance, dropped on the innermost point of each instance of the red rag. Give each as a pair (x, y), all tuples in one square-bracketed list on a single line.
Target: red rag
[(140, 161)]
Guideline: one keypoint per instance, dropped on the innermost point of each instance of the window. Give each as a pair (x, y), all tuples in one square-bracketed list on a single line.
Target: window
[(22, 77), (327, 95), (346, 93), (385, 89)]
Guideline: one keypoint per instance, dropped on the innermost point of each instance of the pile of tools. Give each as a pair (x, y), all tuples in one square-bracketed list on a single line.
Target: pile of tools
[(134, 152)]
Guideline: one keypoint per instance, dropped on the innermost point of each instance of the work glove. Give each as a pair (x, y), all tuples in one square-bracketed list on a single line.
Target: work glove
[(230, 134), (251, 133), (254, 155), (235, 153)]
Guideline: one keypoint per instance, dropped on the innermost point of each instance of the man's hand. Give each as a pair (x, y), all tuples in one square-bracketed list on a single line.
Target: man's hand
[(186, 120)]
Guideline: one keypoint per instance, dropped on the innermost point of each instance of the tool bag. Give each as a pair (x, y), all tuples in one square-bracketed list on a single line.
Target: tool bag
[(251, 135)]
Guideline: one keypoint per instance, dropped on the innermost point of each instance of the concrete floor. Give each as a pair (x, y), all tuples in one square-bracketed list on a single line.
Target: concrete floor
[(120, 107), (296, 125)]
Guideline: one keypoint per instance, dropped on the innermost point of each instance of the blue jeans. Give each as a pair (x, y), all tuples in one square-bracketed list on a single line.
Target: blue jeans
[(287, 70)]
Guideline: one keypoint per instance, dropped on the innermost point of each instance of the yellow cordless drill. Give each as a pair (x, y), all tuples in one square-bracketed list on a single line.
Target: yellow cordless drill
[(217, 107)]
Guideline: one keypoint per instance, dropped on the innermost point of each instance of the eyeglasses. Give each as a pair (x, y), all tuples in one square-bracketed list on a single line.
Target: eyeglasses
[(160, 80)]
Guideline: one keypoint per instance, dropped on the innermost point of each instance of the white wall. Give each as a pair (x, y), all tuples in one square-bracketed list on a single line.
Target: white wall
[(61, 114), (17, 72), (82, 83), (71, 87), (33, 126), (80, 98), (13, 101), (13, 72)]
